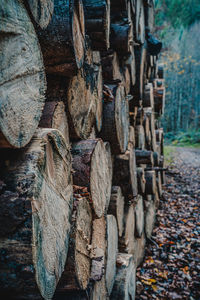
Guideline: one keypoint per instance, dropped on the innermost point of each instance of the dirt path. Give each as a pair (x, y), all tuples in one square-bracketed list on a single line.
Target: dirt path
[(171, 269)]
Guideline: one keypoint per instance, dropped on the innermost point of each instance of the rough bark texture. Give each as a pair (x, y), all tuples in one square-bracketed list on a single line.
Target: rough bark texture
[(38, 188), (22, 78), (150, 178), (41, 11)]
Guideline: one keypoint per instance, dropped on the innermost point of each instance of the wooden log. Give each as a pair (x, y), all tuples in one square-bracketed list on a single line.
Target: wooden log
[(54, 116), (150, 215), (148, 100), (97, 22), (22, 80), (139, 22), (141, 181), (98, 250), (76, 274), (159, 184), (149, 112), (112, 249), (125, 174), (110, 169), (150, 178), (131, 143), (140, 249), (41, 11), (140, 116), (140, 137), (63, 40), (159, 100), (99, 291), (115, 127), (35, 216), (139, 217), (149, 12), (160, 71), (125, 282), (89, 173), (146, 125), (129, 61), (111, 66), (127, 243), (116, 207), (156, 159), (144, 157)]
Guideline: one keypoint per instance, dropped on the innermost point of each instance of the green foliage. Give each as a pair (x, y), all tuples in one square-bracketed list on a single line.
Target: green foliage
[(190, 138), (177, 12)]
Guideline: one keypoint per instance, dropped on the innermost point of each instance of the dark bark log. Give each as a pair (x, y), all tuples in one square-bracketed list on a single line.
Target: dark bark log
[(41, 11), (156, 158), (111, 66), (125, 282), (35, 216), (141, 181), (54, 116), (97, 15), (140, 116), (125, 174), (22, 79), (148, 100), (63, 41), (115, 127), (139, 217), (112, 249), (116, 208), (77, 268), (161, 71), (150, 178), (144, 157), (89, 173), (159, 100)]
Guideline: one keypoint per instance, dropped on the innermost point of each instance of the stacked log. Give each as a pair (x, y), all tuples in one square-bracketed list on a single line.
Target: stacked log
[(81, 150)]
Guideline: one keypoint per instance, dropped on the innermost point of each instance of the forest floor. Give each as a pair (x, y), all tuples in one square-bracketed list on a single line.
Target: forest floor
[(171, 268)]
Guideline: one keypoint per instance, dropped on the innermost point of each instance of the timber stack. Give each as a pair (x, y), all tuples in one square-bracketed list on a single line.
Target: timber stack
[(81, 164)]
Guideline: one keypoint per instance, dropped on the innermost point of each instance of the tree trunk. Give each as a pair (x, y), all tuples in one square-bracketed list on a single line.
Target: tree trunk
[(125, 174), (63, 40), (125, 282), (77, 268), (116, 207), (97, 15), (54, 116), (41, 11), (36, 209), (115, 128), (22, 79), (89, 173), (112, 249)]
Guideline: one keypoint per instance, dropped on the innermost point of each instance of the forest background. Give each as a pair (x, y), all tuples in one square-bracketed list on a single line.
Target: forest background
[(178, 26)]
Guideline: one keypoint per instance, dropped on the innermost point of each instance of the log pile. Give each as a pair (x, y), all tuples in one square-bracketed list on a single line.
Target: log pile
[(81, 151)]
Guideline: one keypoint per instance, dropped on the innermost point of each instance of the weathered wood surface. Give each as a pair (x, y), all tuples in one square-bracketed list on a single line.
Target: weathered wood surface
[(125, 174), (97, 22), (141, 181), (149, 12), (150, 214), (98, 249), (125, 282), (150, 177), (22, 78), (131, 143), (110, 168), (144, 157), (116, 207), (111, 66), (76, 274), (115, 127), (63, 40), (139, 217), (139, 22), (112, 249), (140, 137), (140, 249), (89, 173), (148, 100), (41, 11), (54, 116), (34, 241)]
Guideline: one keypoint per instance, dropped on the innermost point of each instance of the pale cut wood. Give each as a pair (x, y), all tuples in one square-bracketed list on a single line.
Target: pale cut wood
[(98, 249), (125, 282), (131, 143), (110, 168), (54, 116), (140, 137), (97, 14), (159, 184), (150, 113), (150, 178), (150, 214), (88, 172), (76, 274), (147, 131), (141, 181), (115, 127), (140, 249), (149, 11), (116, 207), (63, 40), (38, 189), (22, 77), (112, 249), (140, 22), (41, 11), (125, 174), (127, 243), (139, 217), (99, 290)]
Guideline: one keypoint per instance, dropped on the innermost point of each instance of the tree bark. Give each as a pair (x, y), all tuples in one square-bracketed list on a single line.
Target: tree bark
[(36, 209), (148, 100), (115, 127), (22, 77), (89, 173), (150, 178), (144, 157), (140, 22), (41, 11)]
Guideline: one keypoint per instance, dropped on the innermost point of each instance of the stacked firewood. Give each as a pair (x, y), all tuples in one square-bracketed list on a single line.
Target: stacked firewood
[(81, 164)]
